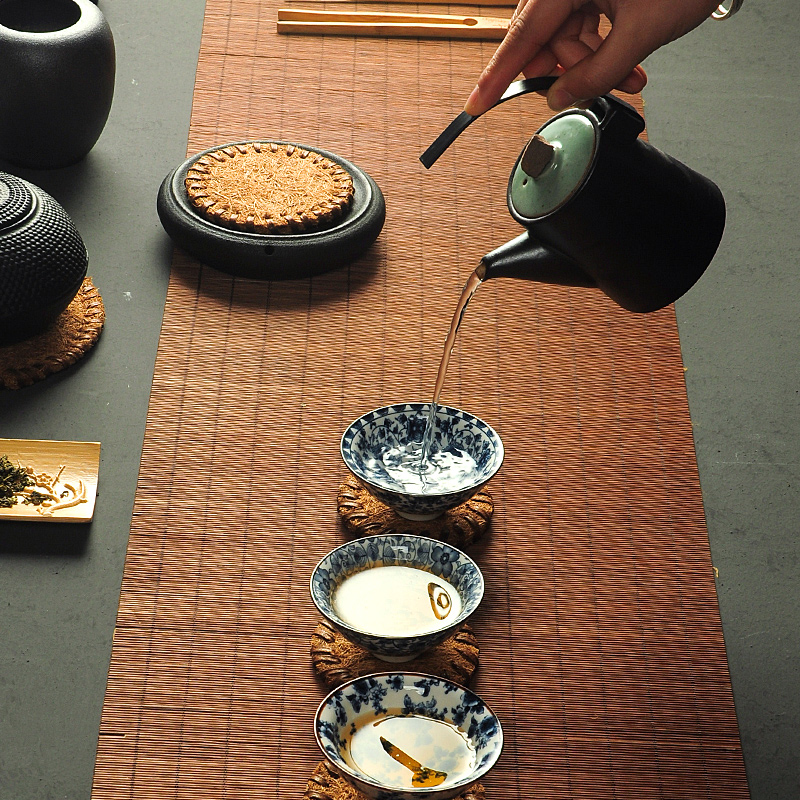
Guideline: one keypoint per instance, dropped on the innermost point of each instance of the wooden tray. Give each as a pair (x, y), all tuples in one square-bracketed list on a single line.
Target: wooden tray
[(73, 466)]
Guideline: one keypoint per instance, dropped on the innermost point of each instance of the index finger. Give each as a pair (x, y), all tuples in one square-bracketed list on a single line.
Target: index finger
[(528, 32)]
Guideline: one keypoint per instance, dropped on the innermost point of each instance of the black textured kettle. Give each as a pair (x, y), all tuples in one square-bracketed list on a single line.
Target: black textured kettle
[(602, 207), (43, 259)]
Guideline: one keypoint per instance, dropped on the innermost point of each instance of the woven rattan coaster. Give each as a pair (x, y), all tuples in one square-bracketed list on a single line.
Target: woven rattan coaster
[(364, 515), (73, 333), (337, 660), (269, 188), (327, 783)]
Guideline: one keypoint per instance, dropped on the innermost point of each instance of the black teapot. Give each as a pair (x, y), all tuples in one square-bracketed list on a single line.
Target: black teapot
[(602, 207), (43, 259)]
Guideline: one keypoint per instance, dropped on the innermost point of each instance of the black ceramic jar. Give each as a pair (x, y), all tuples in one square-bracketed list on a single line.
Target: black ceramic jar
[(43, 259), (57, 63)]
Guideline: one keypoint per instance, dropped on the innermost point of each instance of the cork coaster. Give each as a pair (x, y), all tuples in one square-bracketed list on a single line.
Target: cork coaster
[(337, 660), (71, 335), (269, 188), (365, 515), (327, 783)]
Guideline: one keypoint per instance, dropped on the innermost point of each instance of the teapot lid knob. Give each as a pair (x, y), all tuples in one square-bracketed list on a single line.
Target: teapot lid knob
[(536, 156)]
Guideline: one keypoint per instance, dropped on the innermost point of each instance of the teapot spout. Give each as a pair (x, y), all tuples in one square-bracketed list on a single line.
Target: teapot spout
[(526, 258)]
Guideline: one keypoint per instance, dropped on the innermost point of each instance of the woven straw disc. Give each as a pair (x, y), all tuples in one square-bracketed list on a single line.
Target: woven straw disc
[(269, 188), (365, 515), (73, 333), (326, 783), (338, 660)]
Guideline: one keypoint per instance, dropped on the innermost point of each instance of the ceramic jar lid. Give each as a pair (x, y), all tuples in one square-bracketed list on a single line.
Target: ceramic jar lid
[(16, 201), (572, 139)]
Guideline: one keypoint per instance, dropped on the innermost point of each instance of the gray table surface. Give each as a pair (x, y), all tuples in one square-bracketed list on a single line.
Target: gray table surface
[(724, 99)]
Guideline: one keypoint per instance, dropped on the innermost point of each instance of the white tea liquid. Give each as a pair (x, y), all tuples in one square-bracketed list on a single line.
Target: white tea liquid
[(394, 600)]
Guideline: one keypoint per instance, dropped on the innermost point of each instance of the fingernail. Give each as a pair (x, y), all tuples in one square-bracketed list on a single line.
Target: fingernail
[(472, 105), (558, 99)]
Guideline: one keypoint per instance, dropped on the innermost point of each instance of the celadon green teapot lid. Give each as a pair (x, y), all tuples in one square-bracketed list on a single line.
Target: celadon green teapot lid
[(553, 165)]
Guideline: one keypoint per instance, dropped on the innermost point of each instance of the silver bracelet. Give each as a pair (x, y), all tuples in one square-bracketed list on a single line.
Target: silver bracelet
[(726, 9)]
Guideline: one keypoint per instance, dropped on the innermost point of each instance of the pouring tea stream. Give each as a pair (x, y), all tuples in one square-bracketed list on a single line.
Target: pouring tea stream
[(602, 208)]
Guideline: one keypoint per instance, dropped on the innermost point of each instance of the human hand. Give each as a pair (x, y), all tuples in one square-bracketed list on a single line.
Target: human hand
[(562, 37)]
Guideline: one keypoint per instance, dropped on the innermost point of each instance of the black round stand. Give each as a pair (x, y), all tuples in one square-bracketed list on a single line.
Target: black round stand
[(272, 257)]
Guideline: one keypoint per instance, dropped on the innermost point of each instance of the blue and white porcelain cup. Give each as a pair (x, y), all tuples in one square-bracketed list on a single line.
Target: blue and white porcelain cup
[(371, 443)]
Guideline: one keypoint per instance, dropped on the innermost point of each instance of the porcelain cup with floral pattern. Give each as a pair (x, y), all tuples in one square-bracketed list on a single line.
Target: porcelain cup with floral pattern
[(408, 736), (371, 445), (427, 594)]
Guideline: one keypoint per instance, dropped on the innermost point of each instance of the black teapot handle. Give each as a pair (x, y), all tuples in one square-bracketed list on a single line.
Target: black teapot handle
[(463, 120), (616, 117), (613, 113)]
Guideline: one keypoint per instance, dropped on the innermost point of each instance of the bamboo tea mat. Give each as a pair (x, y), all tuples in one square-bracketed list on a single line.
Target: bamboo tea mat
[(601, 644)]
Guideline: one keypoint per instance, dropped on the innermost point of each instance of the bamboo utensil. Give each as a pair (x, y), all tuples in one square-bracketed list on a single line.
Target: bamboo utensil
[(367, 23), (61, 480), (498, 3)]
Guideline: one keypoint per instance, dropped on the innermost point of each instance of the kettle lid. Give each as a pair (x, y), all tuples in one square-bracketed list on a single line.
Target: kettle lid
[(554, 165), (16, 200)]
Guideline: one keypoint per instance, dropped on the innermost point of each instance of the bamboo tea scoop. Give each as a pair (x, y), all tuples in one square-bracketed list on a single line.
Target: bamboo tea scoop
[(423, 776), (369, 23), (499, 3)]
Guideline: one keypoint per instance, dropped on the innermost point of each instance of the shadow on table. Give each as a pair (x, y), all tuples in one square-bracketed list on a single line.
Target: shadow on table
[(43, 538), (68, 185), (328, 287)]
